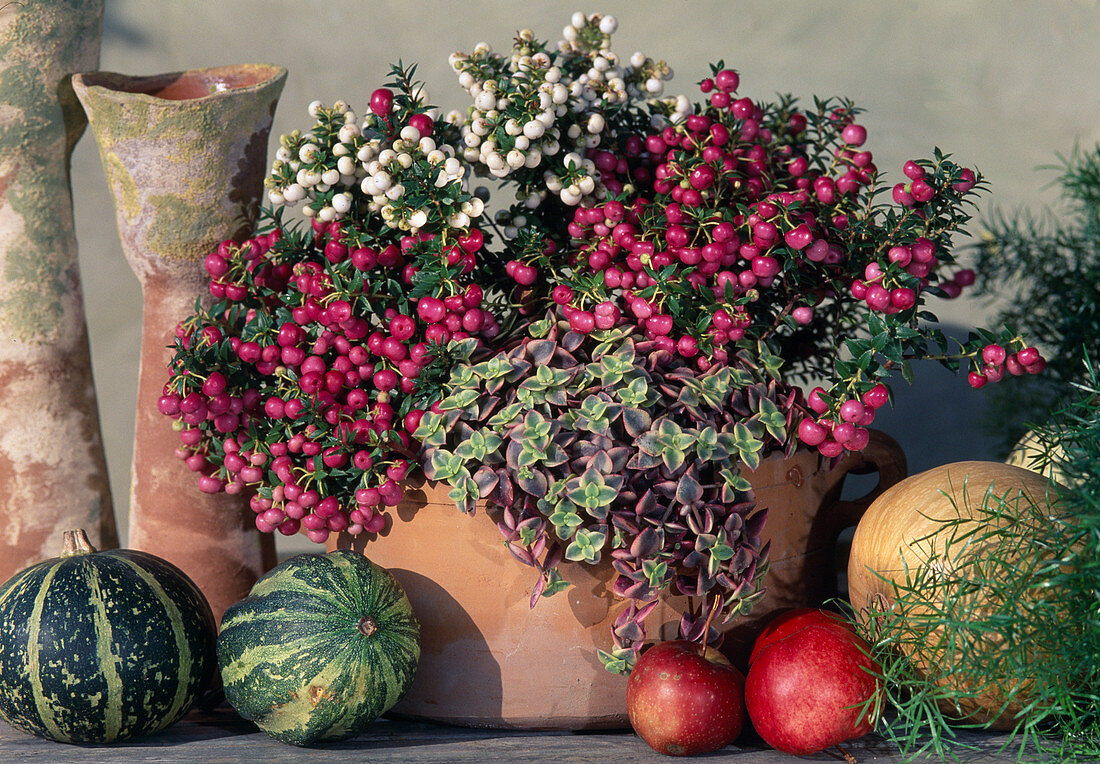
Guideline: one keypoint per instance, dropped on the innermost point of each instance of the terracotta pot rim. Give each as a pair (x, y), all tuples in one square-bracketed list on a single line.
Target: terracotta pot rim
[(188, 86)]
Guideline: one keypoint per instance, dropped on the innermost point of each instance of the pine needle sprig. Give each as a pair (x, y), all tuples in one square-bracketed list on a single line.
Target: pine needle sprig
[(1044, 269)]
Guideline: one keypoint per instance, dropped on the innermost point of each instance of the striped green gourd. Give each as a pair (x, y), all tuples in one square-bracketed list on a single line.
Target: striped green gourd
[(102, 646), (322, 646)]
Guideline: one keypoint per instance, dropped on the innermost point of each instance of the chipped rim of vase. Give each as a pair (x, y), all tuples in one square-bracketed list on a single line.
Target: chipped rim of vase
[(191, 85)]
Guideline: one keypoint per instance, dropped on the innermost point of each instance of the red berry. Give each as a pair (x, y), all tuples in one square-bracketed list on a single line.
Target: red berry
[(659, 324), (899, 255), (524, 275), (381, 102), (965, 277), (216, 265), (852, 411), (877, 397), (402, 327), (877, 297), (727, 80), (825, 190), (912, 170), (687, 346), (902, 196), (816, 402), (799, 238), (214, 384), (765, 266), (921, 191), (993, 354), (1028, 356), (702, 177), (582, 322), (562, 294), (853, 134), (422, 122), (903, 298), (471, 241), (858, 440), (966, 181), (1013, 365), (431, 309), (811, 433)]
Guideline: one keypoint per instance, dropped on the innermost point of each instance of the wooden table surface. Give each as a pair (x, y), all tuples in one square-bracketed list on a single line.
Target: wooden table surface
[(220, 736)]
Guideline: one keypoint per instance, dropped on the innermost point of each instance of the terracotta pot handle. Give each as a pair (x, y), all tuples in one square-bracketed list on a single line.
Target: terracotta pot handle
[(882, 455)]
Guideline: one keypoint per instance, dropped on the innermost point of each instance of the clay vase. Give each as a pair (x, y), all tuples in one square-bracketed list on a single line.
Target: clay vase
[(184, 155), (53, 474), (489, 660)]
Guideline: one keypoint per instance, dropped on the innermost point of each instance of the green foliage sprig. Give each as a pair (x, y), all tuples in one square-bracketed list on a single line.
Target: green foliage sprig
[(1045, 271)]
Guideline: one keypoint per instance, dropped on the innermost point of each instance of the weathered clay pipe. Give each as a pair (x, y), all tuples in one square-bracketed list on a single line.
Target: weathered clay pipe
[(184, 155), (53, 473)]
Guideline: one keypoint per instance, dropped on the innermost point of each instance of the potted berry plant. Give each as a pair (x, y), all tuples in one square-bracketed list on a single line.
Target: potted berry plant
[(686, 320)]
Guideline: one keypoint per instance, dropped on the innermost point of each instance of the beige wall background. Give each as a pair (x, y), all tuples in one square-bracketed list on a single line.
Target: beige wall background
[(1001, 85)]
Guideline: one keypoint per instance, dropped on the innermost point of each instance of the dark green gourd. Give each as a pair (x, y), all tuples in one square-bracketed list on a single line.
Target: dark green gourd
[(321, 646), (102, 646)]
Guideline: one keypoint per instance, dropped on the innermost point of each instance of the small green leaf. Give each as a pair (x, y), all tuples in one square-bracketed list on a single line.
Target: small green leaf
[(735, 481), (504, 416), (655, 572), (461, 376), (565, 522), (527, 533), (431, 431), (620, 660), (748, 447), (446, 465), (722, 552), (461, 399), (554, 584), (529, 454), (586, 546), (707, 446), (773, 419)]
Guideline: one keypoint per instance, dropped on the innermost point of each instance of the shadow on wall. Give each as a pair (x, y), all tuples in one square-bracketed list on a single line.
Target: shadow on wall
[(116, 32)]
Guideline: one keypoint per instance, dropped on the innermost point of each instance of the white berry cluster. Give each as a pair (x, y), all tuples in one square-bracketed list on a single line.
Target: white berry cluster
[(343, 167), (536, 113)]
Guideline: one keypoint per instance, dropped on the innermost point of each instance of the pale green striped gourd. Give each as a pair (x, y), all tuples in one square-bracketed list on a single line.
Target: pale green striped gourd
[(102, 646), (322, 646)]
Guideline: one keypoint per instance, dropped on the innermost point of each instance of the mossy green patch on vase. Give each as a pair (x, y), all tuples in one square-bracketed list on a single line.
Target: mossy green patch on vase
[(170, 158), (37, 266)]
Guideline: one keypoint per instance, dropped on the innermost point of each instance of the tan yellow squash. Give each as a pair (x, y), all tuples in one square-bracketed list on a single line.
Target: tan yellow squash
[(941, 530)]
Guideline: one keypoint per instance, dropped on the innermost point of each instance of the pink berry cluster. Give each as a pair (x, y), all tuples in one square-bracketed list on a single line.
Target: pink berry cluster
[(996, 361), (727, 196), (848, 431), (304, 379), (743, 228)]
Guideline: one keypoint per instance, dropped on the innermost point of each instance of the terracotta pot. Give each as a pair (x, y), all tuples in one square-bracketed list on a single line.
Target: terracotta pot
[(185, 155), (488, 659), (53, 474)]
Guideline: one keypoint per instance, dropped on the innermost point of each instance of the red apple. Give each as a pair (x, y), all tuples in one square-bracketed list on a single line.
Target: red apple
[(789, 621), (810, 676), (683, 700)]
